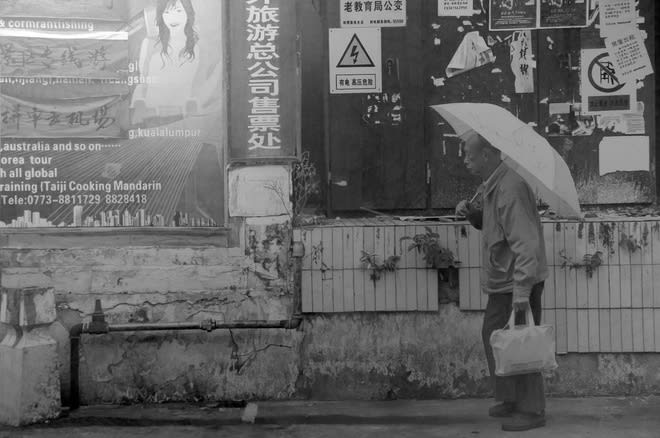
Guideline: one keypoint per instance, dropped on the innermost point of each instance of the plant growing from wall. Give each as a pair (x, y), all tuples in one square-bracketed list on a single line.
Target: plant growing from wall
[(629, 242), (305, 184), (317, 258), (590, 262), (435, 255), (370, 261)]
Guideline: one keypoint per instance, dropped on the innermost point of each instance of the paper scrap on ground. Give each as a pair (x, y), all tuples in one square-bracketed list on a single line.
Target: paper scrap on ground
[(250, 413), (626, 153)]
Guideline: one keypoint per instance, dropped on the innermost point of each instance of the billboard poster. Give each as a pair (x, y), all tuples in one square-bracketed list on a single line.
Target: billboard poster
[(122, 128), (563, 13), (513, 14)]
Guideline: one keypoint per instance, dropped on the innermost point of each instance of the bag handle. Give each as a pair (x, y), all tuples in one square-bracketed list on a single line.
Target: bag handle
[(511, 324)]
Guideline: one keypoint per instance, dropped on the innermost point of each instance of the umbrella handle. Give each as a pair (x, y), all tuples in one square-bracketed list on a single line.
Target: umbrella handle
[(474, 197)]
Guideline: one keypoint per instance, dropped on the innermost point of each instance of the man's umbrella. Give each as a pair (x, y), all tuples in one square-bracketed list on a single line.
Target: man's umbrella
[(524, 150)]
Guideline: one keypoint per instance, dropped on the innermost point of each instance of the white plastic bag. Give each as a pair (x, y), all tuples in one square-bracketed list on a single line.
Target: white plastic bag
[(523, 349)]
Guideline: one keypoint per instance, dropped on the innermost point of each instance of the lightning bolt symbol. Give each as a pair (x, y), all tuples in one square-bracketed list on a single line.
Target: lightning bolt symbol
[(354, 53)]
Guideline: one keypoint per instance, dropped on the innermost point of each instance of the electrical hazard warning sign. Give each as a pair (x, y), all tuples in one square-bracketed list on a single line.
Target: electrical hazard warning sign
[(355, 61), (355, 55)]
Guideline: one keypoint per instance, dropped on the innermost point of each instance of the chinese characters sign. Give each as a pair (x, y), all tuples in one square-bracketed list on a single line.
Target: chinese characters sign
[(91, 117), (455, 8), (615, 14), (49, 57), (522, 62), (355, 61), (264, 79), (629, 54), (603, 92), (263, 33), (372, 13)]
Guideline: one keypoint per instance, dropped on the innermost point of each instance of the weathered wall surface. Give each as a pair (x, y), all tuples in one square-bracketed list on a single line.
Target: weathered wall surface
[(190, 366), (341, 356), (440, 355), (184, 277), (351, 356)]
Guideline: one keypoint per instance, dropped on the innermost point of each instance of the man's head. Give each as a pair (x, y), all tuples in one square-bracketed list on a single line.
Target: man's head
[(481, 158)]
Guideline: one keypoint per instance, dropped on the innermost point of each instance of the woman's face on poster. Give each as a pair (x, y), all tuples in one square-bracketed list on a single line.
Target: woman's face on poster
[(175, 16)]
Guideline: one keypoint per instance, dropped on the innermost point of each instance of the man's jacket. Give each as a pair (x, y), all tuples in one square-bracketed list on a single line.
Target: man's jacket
[(513, 249)]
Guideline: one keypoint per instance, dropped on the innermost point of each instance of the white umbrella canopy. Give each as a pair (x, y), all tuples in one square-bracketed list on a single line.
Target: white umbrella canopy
[(524, 150)]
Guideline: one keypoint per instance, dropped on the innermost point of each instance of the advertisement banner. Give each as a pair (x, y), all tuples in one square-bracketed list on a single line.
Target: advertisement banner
[(31, 117), (159, 161), (30, 56)]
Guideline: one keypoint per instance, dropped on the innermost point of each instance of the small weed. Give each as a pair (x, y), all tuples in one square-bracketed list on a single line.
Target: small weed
[(590, 262), (370, 261)]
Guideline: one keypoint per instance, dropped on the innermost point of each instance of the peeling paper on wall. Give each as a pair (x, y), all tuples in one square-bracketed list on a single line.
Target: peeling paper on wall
[(473, 52), (629, 54), (628, 153), (624, 123)]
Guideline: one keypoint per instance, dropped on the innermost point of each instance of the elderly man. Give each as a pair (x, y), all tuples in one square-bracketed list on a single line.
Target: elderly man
[(513, 270)]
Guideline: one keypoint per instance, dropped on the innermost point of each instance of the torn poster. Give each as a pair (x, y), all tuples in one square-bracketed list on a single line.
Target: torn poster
[(563, 13), (629, 54), (473, 52), (615, 14), (567, 119), (629, 153), (522, 61), (624, 123)]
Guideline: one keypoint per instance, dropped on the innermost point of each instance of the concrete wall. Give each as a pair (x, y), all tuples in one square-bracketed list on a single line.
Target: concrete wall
[(159, 276), (170, 277), (351, 356)]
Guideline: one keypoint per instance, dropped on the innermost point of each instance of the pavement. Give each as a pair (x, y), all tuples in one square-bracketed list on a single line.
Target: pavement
[(629, 417)]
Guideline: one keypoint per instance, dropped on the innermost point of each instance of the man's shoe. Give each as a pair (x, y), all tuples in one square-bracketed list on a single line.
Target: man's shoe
[(523, 421), (505, 409)]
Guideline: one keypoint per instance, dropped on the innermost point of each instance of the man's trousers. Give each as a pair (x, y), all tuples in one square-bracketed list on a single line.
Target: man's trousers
[(525, 390)]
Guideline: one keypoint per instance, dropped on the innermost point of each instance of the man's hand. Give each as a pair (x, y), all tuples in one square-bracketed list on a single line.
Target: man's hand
[(463, 208), (521, 304)]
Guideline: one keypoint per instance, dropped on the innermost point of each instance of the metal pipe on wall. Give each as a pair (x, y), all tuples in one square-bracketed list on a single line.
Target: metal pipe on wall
[(98, 326)]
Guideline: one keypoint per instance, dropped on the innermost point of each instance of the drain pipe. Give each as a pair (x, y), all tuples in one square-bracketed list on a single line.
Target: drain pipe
[(99, 326)]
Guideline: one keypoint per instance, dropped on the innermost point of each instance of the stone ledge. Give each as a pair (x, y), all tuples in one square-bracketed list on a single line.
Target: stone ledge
[(51, 238)]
